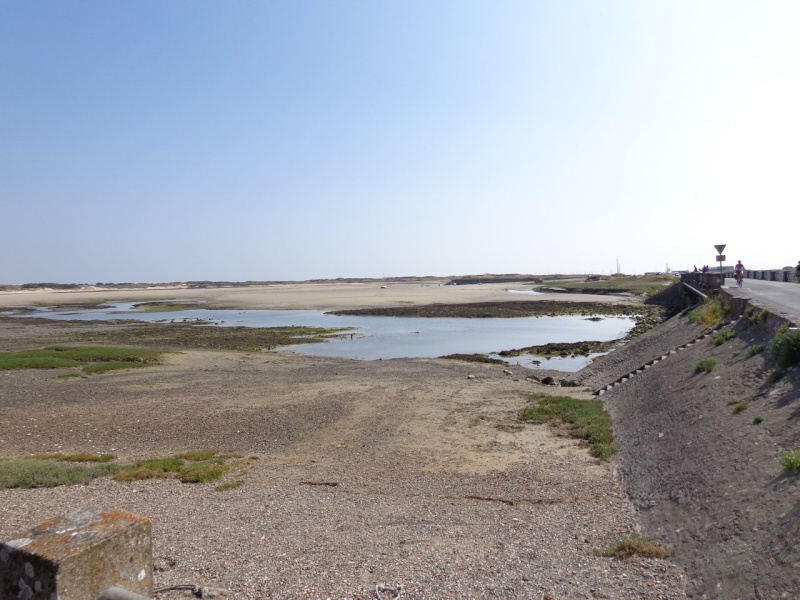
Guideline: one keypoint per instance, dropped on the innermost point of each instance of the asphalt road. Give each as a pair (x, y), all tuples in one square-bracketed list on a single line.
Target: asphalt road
[(780, 298)]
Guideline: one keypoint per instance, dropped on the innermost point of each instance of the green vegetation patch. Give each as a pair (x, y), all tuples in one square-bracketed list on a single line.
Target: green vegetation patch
[(790, 459), (79, 457), (563, 349), (92, 359), (190, 467), (205, 336), (51, 470), (710, 313), (636, 546), (649, 285), (786, 348), (151, 468), (776, 375), (582, 419), (35, 472), (705, 365), (112, 365), (723, 336), (202, 472), (753, 350), (757, 317)]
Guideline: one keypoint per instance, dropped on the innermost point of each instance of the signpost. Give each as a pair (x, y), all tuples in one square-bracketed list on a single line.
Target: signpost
[(720, 257)]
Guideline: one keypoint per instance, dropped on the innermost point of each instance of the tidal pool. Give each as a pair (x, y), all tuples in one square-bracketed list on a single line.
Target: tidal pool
[(373, 338)]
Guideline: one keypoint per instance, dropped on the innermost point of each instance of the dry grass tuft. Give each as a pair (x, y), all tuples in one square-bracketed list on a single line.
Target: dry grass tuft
[(636, 546)]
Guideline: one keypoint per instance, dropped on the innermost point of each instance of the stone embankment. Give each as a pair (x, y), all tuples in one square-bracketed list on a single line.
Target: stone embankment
[(699, 452)]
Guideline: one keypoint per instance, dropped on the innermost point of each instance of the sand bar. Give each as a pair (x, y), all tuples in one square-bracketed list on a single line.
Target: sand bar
[(302, 296)]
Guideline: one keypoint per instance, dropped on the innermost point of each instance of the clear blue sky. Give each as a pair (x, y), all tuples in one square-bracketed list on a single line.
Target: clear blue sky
[(174, 140)]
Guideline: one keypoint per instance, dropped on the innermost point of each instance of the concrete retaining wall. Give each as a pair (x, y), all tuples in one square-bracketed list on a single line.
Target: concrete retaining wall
[(700, 454)]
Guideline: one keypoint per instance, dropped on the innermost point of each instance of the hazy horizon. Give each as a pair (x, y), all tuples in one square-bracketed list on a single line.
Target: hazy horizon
[(278, 281)]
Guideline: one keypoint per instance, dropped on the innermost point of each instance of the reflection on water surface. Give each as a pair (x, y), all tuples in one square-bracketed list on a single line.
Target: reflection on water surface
[(394, 337)]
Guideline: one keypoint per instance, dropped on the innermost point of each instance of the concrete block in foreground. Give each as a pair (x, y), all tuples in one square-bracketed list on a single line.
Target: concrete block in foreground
[(78, 556)]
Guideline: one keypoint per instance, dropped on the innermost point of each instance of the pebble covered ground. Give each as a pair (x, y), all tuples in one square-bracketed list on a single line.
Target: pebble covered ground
[(353, 475)]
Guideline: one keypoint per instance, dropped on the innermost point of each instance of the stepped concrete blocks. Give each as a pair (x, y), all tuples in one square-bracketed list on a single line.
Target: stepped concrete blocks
[(78, 556)]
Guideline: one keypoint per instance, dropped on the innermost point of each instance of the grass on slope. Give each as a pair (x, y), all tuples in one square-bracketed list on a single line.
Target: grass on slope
[(583, 419)]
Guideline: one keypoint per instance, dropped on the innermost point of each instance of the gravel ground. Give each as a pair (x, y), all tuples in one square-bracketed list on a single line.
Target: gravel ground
[(438, 487)]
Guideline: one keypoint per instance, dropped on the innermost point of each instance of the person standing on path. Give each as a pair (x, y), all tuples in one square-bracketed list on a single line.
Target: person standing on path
[(797, 272)]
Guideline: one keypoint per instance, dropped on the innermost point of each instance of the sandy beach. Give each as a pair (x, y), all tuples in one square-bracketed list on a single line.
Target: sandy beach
[(309, 296), (413, 472)]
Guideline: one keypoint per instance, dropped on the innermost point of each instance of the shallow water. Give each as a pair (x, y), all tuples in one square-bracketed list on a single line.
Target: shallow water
[(372, 338)]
